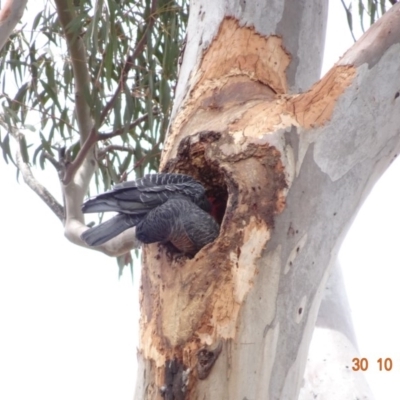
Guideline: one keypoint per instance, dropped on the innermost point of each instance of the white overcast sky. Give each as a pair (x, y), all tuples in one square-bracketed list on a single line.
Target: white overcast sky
[(69, 327)]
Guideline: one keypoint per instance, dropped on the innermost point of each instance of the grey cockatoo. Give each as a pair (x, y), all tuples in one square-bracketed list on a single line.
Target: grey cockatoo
[(164, 208)]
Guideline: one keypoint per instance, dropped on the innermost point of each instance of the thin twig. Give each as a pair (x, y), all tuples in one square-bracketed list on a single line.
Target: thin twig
[(50, 158), (129, 62), (120, 131), (32, 182), (114, 147)]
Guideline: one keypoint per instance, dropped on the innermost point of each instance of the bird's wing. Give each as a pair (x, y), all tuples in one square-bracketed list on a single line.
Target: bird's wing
[(144, 194)]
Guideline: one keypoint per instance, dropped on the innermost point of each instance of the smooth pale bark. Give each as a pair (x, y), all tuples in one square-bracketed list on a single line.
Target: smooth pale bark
[(296, 169), (329, 373), (10, 14)]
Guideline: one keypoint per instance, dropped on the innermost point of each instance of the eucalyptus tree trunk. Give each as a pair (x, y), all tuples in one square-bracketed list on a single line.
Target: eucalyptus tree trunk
[(287, 166)]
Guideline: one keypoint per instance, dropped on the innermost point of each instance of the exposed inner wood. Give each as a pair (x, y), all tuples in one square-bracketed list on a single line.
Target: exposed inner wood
[(242, 88), (242, 51), (315, 107)]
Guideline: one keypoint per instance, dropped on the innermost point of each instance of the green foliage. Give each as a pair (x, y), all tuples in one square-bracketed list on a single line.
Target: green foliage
[(38, 83), (368, 12)]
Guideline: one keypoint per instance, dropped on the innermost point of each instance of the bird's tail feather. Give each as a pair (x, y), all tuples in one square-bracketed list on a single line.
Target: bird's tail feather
[(107, 230)]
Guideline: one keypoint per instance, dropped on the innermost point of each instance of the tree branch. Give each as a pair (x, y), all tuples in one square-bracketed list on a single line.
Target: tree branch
[(77, 51), (52, 160), (374, 43), (94, 137), (10, 14), (72, 167), (32, 182)]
